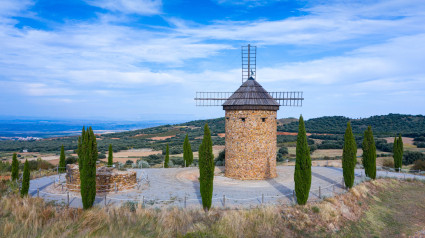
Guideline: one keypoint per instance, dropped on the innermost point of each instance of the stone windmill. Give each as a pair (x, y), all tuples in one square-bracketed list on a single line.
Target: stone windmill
[(250, 122)]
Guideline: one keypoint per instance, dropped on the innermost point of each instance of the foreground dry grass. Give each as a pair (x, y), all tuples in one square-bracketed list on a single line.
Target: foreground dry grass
[(338, 216)]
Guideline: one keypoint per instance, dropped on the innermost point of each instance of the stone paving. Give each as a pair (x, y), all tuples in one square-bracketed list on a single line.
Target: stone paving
[(180, 187)]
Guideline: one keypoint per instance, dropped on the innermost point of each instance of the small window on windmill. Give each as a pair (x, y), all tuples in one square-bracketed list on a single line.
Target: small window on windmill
[(227, 118), (263, 119), (243, 119)]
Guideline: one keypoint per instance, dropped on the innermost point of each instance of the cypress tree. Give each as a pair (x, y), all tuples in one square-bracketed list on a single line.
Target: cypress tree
[(88, 153), (167, 157), (369, 153), (25, 179), (396, 153), (187, 152), (62, 160), (400, 152), (206, 169), (349, 155), (15, 167), (302, 175), (110, 156)]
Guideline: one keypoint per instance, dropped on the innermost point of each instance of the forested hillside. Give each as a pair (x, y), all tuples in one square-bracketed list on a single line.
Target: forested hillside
[(390, 124), (157, 137)]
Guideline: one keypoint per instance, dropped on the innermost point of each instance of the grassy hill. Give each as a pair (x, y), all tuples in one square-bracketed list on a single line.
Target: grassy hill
[(380, 208)]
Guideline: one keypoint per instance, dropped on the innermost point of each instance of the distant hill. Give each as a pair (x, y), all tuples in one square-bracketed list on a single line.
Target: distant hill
[(390, 124), (158, 137)]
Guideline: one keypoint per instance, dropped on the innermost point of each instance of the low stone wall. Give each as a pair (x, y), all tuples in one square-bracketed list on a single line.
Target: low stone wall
[(106, 179)]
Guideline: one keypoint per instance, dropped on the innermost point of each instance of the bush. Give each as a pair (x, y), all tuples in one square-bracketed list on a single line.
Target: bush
[(220, 160), (420, 144), (279, 158), (387, 162), (177, 161), (142, 164), (409, 157), (101, 156), (313, 148), (283, 151), (5, 167), (129, 162), (421, 138), (154, 159), (71, 160), (419, 165)]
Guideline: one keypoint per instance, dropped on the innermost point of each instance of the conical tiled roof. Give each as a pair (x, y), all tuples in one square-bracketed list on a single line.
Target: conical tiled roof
[(251, 96)]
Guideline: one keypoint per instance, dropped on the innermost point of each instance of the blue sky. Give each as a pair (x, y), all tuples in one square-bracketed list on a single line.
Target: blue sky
[(144, 59)]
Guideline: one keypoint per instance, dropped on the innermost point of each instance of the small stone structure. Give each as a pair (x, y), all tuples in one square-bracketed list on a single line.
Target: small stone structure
[(251, 129), (106, 179)]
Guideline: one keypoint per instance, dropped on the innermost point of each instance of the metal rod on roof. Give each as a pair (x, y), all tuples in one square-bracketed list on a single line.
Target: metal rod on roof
[(249, 56)]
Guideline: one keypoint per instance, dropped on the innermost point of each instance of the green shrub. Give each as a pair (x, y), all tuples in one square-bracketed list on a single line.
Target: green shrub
[(387, 162), (142, 164), (283, 151), (409, 157), (5, 166), (279, 158), (71, 160), (419, 165), (221, 158)]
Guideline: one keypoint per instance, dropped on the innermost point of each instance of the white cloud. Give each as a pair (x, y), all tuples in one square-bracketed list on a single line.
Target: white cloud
[(249, 3), (13, 7), (39, 89), (141, 7)]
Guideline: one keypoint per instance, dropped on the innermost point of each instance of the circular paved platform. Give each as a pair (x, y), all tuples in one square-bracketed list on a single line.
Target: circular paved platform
[(171, 186)]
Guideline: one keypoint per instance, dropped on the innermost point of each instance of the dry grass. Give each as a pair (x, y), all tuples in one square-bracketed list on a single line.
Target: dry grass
[(32, 217)]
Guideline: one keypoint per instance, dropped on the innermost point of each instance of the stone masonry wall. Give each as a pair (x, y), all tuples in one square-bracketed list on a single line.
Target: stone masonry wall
[(105, 179), (250, 144)]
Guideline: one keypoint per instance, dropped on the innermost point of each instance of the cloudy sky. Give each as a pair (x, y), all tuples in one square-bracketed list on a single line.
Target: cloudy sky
[(145, 59)]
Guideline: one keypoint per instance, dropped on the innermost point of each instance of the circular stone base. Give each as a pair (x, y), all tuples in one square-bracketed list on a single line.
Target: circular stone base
[(107, 179)]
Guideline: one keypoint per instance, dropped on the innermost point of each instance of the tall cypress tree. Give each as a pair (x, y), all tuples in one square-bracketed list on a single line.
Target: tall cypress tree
[(88, 153), (369, 153), (400, 152), (167, 157), (15, 167), (206, 169), (302, 175), (187, 152), (110, 156), (62, 160), (349, 155), (25, 179), (396, 153)]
